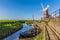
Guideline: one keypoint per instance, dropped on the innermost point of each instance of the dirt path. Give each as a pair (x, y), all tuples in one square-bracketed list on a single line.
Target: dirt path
[(52, 34)]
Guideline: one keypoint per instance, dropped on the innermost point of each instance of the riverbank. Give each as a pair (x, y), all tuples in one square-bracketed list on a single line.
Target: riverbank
[(39, 36), (26, 38)]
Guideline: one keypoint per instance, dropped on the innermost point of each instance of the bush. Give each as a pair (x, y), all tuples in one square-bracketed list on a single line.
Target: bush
[(28, 22)]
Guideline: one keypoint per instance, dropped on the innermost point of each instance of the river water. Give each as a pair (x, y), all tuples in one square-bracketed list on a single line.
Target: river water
[(16, 35)]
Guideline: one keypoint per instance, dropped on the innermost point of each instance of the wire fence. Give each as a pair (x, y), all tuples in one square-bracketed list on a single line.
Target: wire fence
[(55, 13)]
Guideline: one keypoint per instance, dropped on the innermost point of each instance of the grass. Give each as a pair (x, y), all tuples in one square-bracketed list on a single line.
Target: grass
[(8, 27), (8, 20), (39, 36)]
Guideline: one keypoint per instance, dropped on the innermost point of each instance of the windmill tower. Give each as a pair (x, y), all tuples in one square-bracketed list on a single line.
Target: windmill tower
[(45, 16), (45, 13)]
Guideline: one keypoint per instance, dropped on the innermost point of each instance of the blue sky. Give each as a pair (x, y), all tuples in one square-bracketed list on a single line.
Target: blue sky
[(24, 9)]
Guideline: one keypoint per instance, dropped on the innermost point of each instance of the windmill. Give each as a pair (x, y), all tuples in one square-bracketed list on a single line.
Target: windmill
[(45, 12)]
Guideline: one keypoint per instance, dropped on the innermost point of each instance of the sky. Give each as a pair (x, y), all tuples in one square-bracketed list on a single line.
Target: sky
[(24, 9)]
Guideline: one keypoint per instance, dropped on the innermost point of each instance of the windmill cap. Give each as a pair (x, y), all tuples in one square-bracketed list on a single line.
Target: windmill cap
[(45, 9)]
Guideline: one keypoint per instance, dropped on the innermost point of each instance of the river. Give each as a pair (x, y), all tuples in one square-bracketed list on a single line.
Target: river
[(16, 35)]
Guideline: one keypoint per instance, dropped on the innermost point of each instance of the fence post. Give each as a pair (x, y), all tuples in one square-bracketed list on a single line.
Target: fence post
[(43, 33)]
